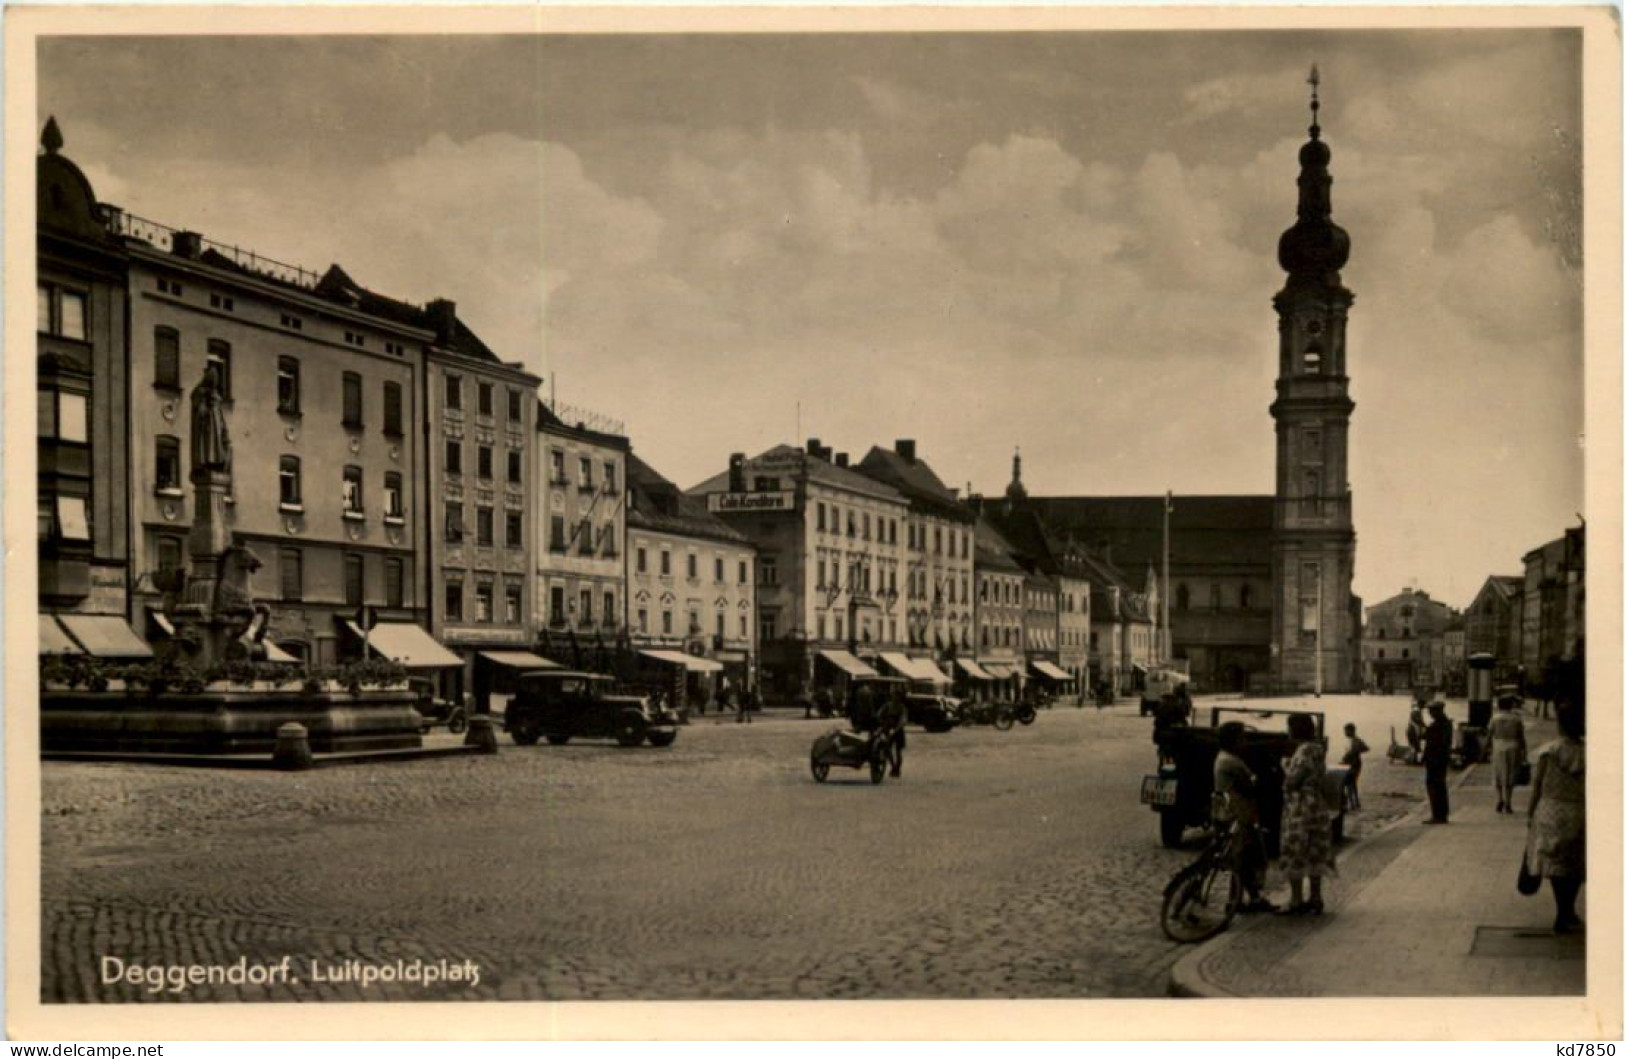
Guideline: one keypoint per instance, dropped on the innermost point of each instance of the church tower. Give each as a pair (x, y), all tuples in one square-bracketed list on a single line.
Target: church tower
[(1314, 638)]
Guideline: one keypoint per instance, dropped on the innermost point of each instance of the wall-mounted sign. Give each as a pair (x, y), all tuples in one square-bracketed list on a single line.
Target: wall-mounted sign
[(780, 501)]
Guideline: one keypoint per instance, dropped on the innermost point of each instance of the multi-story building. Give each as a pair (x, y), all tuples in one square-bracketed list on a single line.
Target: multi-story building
[(1000, 650), (480, 466), (82, 365), (941, 535), (830, 552), (1404, 642), (1454, 674), (1553, 618), (580, 519), (1040, 621), (1495, 623), (327, 437), (690, 580)]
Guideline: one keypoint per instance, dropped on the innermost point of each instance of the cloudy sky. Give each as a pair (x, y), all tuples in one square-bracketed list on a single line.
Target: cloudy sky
[(1058, 241)]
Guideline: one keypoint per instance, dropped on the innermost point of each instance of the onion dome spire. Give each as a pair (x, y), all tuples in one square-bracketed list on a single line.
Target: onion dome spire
[(1314, 249)]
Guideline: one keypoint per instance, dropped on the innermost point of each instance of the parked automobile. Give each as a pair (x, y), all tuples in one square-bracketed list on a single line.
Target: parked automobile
[(559, 704), (1163, 685), (1181, 791), (437, 711), (934, 713)]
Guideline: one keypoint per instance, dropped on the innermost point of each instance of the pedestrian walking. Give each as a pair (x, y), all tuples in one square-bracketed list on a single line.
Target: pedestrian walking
[(740, 707), (1509, 749), (1436, 741), (1354, 760), (1556, 848), (1306, 819), (1413, 733), (1237, 789)]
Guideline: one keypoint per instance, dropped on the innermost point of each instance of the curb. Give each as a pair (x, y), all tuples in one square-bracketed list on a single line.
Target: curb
[(1185, 977)]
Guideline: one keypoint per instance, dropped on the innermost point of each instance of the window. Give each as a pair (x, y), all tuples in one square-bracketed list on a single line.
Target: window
[(484, 599), (454, 456), (665, 622), (72, 518), (515, 467), (454, 601), (609, 608), (722, 625), (865, 525), (169, 553), (394, 508), (1311, 361), (558, 467), (938, 532), (513, 604), (1246, 596), (769, 570), (287, 385), (352, 491), (288, 479), (643, 560), (606, 539), (555, 535), (516, 407), (454, 391), (1311, 485), (293, 574), (643, 619), (168, 467), (355, 338), (167, 358), (665, 563), (484, 527), (693, 567), (222, 301), (515, 535), (454, 521), (61, 312), (609, 478), (586, 606), (744, 627), (694, 628), (392, 409), (355, 580), (834, 519), (487, 399), (220, 358), (169, 286), (483, 454), (352, 399), (744, 572), (586, 473), (821, 514), (851, 524), (584, 535), (556, 600), (62, 415), (1215, 598), (394, 583), (292, 323)]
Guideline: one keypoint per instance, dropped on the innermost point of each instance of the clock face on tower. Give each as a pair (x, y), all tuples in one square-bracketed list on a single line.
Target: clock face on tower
[(1315, 327)]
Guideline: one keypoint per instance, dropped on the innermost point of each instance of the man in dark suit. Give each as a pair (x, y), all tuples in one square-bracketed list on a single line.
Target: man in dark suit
[(1436, 742)]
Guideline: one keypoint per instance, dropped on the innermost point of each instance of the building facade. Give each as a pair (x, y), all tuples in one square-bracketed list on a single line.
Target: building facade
[(1000, 647), (1404, 642), (1553, 613), (579, 504), (1495, 622), (830, 555), (690, 579)]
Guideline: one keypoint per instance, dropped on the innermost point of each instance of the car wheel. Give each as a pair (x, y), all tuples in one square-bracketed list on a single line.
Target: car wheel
[(877, 770), (525, 731), (558, 740), (630, 729), (1172, 829), (662, 738), (459, 723), (820, 770), (1004, 721)]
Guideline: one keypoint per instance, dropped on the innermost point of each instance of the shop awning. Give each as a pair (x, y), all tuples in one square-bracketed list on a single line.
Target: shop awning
[(105, 635), (273, 653), (407, 644), (928, 671), (689, 662), (1138, 667), (972, 670), (1051, 670), (905, 666), (846, 663), (519, 660), (160, 621), (997, 670), (53, 640)]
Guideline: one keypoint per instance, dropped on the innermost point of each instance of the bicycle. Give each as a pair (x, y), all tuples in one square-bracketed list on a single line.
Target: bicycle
[(1204, 896)]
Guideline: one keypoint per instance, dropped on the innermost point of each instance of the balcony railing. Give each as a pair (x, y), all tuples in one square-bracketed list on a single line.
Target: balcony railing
[(575, 415), (162, 237)]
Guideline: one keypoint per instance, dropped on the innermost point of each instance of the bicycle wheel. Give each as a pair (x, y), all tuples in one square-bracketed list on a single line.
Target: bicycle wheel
[(1200, 901)]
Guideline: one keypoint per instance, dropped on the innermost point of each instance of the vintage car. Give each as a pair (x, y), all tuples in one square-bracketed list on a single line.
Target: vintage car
[(934, 713), (560, 704), (1181, 791)]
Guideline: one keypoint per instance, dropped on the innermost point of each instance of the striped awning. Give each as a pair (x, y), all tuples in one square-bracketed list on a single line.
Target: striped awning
[(53, 640), (407, 644), (687, 661), (105, 635), (972, 670), (847, 663), (1051, 670), (519, 660)]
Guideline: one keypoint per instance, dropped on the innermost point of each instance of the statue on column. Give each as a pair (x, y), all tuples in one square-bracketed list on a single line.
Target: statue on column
[(211, 444)]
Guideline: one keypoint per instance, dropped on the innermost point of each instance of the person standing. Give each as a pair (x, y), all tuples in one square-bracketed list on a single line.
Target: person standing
[(1436, 741), (1354, 759), (1237, 787), (1306, 819), (1508, 750), (1556, 848)]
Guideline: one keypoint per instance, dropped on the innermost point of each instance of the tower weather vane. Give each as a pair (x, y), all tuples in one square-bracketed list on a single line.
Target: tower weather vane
[(1314, 101)]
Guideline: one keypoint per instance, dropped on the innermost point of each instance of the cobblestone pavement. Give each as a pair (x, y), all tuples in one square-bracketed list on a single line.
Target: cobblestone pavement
[(1001, 864)]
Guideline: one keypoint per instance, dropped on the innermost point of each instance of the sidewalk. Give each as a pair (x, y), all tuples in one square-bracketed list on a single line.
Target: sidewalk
[(1415, 911)]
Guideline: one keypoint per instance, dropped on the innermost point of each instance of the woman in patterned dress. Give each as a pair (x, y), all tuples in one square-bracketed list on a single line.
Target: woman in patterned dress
[(1556, 848), (1306, 819)]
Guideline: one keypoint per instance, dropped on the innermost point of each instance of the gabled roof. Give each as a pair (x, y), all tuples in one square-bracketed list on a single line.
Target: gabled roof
[(1203, 530), (657, 505), (993, 552), (815, 469), (915, 480)]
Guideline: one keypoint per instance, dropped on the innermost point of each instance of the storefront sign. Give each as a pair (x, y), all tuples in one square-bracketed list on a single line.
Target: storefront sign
[(781, 501)]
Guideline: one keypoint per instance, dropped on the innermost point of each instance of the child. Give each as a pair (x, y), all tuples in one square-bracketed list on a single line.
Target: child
[(1353, 757)]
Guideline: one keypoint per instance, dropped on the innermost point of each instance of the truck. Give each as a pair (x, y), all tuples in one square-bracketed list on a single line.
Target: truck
[(1180, 792)]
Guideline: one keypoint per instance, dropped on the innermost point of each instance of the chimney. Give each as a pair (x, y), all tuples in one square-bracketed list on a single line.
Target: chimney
[(187, 244), (905, 449), (817, 450), (736, 472), (443, 317), (840, 459)]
